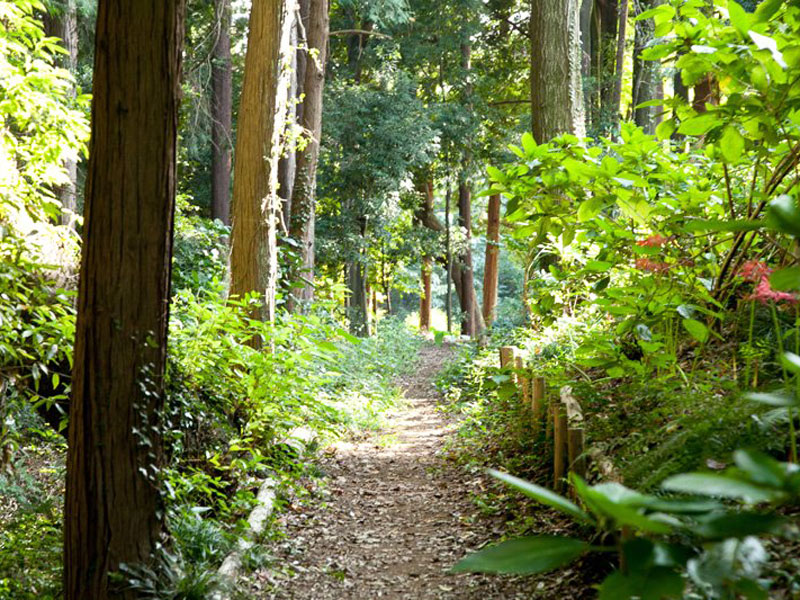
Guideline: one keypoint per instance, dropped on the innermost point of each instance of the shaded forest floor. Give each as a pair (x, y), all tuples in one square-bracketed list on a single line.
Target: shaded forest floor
[(390, 516)]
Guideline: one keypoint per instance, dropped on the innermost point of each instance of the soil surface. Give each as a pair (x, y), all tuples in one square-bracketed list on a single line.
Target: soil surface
[(394, 517)]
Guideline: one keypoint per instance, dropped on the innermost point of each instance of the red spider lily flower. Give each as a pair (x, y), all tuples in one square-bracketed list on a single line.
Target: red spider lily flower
[(754, 271), (764, 293), (645, 264), (654, 241)]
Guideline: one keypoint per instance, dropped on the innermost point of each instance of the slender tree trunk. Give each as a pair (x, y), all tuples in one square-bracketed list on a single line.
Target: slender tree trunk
[(646, 73), (427, 268), (305, 184), (448, 260), (287, 163), (221, 115), (113, 512), (556, 87), (490, 271), (262, 113), (619, 62), (62, 22)]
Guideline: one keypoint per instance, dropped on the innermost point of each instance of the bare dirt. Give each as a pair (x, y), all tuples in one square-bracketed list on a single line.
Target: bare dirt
[(394, 517)]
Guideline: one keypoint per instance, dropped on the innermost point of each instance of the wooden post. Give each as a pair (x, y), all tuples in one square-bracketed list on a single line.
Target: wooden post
[(537, 403), (575, 432), (506, 356), (559, 445), (524, 382)]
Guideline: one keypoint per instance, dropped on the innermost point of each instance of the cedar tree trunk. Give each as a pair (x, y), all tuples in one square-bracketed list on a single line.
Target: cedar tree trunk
[(490, 272), (221, 115), (113, 512)]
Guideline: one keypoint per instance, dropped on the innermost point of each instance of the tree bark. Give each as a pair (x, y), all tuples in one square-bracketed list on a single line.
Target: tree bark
[(305, 184), (287, 164), (113, 512), (221, 115), (556, 87), (490, 271), (704, 93), (62, 22), (646, 73), (619, 62), (425, 300), (466, 294), (262, 113)]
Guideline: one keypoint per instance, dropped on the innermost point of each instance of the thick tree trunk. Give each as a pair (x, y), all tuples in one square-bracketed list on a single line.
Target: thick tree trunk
[(490, 271), (646, 73), (262, 113), (619, 63), (113, 512), (556, 87), (305, 184), (221, 115), (62, 22), (704, 93)]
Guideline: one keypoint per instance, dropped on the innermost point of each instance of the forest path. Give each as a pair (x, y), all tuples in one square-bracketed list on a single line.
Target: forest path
[(398, 515)]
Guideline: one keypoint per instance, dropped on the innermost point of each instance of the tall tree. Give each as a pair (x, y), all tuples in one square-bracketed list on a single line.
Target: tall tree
[(61, 21), (254, 264), (556, 88), (113, 511), (619, 63), (647, 84), (305, 184), (221, 114), (490, 271), (426, 298)]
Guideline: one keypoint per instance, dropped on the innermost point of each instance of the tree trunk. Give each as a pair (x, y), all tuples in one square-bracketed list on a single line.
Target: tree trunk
[(358, 310), (113, 512), (448, 259), (305, 184), (262, 112), (490, 272), (221, 115), (287, 164), (556, 87), (619, 63), (646, 73), (471, 325), (62, 22), (704, 93), (427, 268)]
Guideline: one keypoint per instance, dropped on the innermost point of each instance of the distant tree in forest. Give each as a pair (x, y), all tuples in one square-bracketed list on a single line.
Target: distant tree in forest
[(221, 113), (113, 511), (262, 114)]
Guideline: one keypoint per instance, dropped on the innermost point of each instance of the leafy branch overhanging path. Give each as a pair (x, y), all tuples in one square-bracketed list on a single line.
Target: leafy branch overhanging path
[(398, 515)]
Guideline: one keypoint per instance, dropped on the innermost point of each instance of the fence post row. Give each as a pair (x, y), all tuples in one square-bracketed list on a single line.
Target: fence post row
[(564, 421)]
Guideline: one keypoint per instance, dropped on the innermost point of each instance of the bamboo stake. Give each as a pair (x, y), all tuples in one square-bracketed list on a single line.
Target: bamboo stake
[(559, 445), (537, 403)]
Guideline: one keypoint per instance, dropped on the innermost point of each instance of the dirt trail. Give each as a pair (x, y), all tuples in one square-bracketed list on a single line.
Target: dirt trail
[(397, 516)]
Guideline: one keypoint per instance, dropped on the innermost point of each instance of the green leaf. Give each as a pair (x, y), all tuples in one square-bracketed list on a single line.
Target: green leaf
[(700, 124), (731, 144), (665, 129), (786, 279), (739, 17), (760, 468), (696, 329), (611, 503), (721, 486), (496, 174), (784, 215), (736, 525), (525, 555), (590, 208), (659, 583), (599, 266), (543, 495), (721, 225), (528, 143), (773, 399)]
